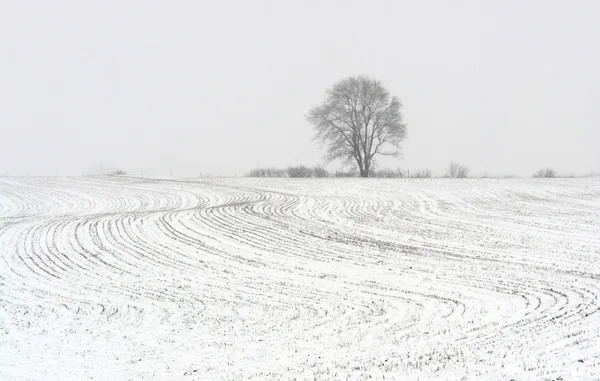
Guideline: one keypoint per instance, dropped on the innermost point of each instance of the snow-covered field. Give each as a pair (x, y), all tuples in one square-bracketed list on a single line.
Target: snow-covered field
[(131, 279)]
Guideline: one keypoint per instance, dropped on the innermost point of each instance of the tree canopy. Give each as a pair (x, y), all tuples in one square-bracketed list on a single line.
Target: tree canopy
[(357, 121)]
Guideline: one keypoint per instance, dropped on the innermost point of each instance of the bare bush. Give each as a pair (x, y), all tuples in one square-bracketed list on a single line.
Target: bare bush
[(545, 173), (463, 172), (299, 171), (352, 172), (319, 171), (457, 171), (266, 172), (422, 174), (118, 172), (389, 173)]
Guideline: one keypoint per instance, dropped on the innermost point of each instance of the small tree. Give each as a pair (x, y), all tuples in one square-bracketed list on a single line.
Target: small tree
[(457, 171), (545, 173), (358, 121)]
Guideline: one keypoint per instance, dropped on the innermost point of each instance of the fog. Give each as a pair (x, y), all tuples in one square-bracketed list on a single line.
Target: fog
[(220, 88)]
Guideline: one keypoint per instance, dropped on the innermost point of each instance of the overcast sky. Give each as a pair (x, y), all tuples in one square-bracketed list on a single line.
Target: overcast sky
[(505, 87)]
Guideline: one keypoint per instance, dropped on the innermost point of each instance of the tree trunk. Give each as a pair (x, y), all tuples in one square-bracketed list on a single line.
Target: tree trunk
[(361, 168), (366, 169)]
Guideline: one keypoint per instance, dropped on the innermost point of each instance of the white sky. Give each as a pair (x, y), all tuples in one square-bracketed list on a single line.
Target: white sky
[(505, 87)]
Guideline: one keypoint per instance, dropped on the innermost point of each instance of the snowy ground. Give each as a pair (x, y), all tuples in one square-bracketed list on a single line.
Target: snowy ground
[(130, 279)]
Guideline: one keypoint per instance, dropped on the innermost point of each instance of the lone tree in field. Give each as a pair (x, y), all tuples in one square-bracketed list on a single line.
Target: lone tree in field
[(358, 121)]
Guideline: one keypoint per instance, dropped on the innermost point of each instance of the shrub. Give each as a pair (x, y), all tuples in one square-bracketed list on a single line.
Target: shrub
[(299, 171), (422, 174), (266, 172), (457, 171), (352, 172), (545, 173), (118, 172), (387, 173), (319, 171), (463, 172)]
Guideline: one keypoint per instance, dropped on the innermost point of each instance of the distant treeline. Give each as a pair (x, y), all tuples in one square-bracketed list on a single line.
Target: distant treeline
[(302, 171), (453, 170)]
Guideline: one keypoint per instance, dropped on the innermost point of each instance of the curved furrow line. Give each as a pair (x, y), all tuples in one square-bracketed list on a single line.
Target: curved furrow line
[(339, 277)]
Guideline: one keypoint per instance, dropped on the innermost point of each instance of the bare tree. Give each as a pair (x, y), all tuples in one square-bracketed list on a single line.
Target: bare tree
[(358, 121), (455, 170)]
